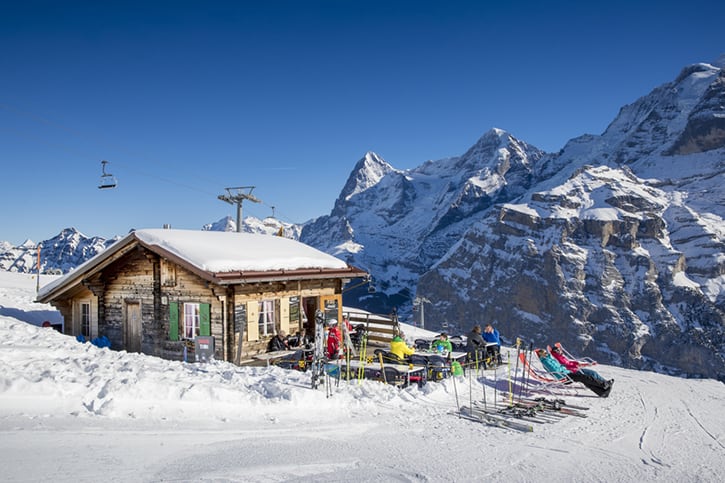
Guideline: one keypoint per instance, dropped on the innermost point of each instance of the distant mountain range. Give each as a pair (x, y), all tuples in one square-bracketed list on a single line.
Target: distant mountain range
[(70, 247), (614, 246)]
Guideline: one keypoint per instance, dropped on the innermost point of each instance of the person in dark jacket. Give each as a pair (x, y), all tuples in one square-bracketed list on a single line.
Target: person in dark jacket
[(300, 340), (475, 344), (277, 343)]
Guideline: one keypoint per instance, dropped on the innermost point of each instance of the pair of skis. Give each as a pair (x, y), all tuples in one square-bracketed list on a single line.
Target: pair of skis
[(523, 413), (493, 418), (552, 405)]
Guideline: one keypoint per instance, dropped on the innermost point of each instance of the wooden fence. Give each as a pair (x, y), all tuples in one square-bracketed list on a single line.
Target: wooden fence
[(380, 328)]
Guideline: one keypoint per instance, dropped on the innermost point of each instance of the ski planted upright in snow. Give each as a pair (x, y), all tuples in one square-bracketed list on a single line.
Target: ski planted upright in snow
[(318, 359)]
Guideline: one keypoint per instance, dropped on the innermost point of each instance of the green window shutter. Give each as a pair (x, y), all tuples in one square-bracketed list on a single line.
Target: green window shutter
[(204, 319), (174, 321)]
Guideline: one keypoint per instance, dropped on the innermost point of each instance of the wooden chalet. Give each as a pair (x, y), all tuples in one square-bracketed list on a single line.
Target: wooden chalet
[(159, 291)]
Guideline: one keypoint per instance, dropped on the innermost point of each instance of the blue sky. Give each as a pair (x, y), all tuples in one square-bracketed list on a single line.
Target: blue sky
[(187, 98)]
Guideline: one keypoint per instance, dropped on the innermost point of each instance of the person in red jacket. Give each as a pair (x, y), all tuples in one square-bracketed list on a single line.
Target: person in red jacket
[(333, 340), (563, 360)]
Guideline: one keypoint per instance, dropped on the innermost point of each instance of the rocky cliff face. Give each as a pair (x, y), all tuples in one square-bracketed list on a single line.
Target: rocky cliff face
[(613, 246), (618, 249), (397, 224)]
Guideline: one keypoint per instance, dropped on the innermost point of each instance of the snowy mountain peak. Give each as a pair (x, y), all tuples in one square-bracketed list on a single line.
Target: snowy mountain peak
[(497, 149), (366, 173)]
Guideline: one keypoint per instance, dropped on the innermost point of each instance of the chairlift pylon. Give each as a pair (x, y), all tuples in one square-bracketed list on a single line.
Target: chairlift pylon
[(107, 179)]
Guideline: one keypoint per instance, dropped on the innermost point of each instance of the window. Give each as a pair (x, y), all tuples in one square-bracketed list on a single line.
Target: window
[(86, 320), (267, 317), (294, 312), (168, 274), (191, 320)]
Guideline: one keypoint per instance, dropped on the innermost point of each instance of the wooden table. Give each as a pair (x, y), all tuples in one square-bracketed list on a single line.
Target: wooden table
[(454, 356), (407, 370), (270, 356)]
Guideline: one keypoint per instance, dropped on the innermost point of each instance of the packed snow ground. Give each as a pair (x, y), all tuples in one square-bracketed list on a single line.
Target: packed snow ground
[(74, 412)]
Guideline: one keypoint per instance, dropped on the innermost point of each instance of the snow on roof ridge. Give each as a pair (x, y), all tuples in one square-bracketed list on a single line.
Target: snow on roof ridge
[(218, 251)]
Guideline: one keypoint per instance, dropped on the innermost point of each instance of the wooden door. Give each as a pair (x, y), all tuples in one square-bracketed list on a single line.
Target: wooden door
[(132, 327)]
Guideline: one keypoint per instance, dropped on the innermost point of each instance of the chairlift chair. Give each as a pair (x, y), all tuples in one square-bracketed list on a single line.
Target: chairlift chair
[(107, 179)]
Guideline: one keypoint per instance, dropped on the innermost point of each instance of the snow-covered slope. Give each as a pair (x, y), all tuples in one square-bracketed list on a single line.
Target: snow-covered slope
[(72, 412)]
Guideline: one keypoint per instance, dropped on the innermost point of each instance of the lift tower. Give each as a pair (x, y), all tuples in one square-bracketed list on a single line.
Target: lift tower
[(236, 196)]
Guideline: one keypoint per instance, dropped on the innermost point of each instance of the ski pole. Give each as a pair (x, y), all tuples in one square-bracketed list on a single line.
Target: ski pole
[(511, 394), (470, 390), (455, 390), (495, 386), (516, 370), (382, 368), (483, 388), (528, 358), (363, 359)]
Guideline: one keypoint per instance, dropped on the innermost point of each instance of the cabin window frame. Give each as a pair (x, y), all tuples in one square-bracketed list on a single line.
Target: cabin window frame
[(190, 319), (268, 317), (86, 319)]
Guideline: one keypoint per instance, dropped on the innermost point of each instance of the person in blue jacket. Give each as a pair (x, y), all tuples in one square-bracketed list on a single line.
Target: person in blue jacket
[(493, 341)]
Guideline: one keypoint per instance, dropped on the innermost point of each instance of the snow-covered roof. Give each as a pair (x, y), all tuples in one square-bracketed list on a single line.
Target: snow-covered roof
[(221, 257), (218, 251)]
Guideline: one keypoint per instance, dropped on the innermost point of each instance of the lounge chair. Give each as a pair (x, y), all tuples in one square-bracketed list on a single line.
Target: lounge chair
[(583, 361), (546, 380)]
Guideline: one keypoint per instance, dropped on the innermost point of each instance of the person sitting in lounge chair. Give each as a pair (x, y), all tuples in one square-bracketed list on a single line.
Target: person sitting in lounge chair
[(590, 378), (557, 354)]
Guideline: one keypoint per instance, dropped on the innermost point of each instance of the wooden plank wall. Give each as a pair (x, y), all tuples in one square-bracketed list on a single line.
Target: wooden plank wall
[(380, 328)]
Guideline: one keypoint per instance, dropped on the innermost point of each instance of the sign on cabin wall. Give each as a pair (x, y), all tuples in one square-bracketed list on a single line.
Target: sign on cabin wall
[(240, 317), (204, 348)]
